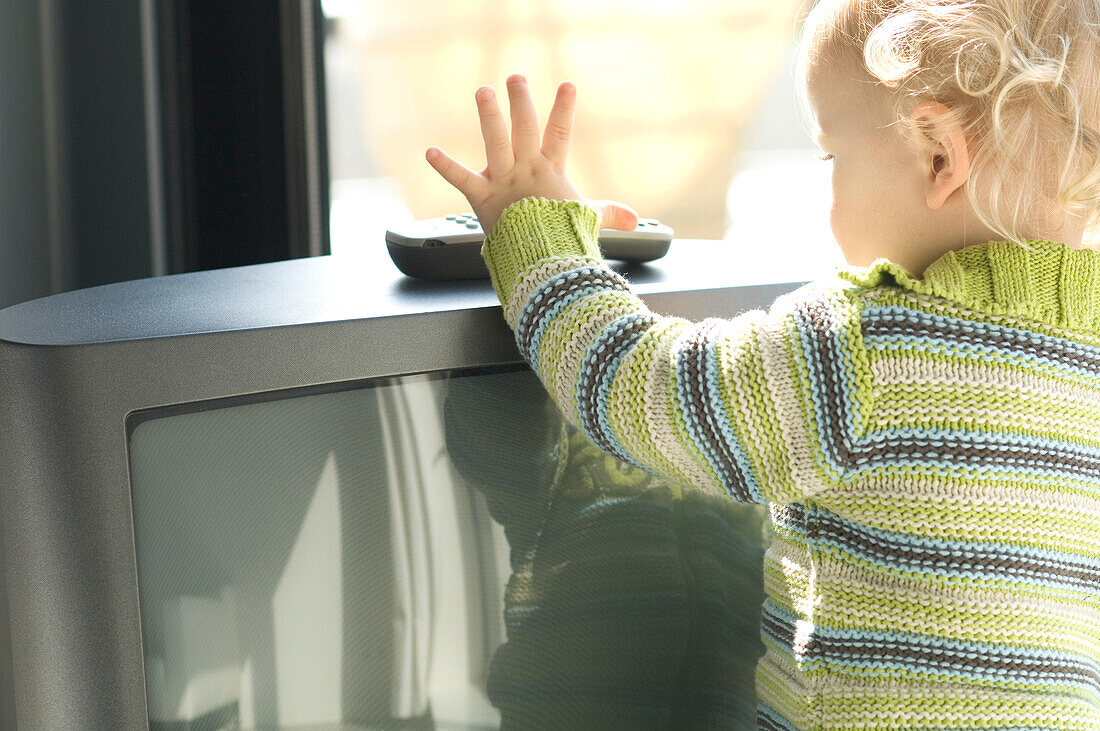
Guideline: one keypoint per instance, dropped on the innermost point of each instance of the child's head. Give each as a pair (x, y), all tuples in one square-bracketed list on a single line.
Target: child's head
[(997, 103)]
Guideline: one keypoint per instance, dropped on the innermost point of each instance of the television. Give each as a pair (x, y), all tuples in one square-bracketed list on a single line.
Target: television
[(317, 493)]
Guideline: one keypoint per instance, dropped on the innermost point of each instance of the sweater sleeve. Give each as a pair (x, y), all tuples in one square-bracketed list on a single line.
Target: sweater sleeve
[(762, 407)]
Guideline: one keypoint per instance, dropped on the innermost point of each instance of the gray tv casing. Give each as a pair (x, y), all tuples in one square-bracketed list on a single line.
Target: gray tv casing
[(76, 366)]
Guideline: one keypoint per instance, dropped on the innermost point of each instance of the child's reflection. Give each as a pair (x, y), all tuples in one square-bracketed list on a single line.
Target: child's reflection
[(632, 603)]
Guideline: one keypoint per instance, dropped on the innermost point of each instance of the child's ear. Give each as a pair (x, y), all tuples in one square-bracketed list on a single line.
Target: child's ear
[(946, 153)]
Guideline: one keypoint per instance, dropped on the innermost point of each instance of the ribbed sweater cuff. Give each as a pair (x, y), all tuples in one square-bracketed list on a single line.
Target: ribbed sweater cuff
[(534, 229)]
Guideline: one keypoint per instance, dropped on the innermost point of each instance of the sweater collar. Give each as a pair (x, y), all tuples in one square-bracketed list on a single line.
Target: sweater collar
[(1046, 281)]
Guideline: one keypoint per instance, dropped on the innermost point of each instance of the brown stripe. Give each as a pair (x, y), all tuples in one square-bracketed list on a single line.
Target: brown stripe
[(765, 723), (620, 336), (1007, 666), (549, 294), (962, 451), (997, 450), (964, 558), (822, 326), (967, 332), (693, 389)]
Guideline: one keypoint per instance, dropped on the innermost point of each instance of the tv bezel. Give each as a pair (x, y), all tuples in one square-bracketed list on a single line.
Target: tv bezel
[(78, 366)]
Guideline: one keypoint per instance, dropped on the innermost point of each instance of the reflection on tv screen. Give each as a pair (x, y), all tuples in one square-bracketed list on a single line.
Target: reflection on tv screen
[(433, 552)]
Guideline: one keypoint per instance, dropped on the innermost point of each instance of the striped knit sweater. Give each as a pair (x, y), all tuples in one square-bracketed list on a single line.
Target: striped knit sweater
[(929, 449)]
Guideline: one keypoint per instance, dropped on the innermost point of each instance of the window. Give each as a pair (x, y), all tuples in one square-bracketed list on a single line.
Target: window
[(687, 111)]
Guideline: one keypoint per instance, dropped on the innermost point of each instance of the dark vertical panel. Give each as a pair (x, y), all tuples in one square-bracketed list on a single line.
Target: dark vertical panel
[(74, 205), (237, 143), (240, 184), (304, 124), (24, 228), (245, 158), (104, 161)]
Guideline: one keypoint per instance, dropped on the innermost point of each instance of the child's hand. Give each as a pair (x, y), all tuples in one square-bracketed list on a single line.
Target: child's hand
[(518, 167)]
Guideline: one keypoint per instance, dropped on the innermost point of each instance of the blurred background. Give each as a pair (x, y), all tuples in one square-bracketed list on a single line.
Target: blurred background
[(687, 111)]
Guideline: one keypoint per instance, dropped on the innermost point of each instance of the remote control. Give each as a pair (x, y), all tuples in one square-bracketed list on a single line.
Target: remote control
[(450, 247)]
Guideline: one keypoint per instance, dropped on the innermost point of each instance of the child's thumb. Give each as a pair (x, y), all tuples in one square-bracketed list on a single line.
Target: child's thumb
[(616, 215)]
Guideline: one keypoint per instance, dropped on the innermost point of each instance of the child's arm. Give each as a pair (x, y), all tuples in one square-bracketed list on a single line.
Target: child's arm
[(759, 407)]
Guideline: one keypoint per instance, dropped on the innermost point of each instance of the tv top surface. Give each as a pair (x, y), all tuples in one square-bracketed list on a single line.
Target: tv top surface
[(331, 289)]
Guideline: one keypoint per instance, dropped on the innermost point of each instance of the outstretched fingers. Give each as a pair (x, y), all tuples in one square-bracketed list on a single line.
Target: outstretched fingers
[(559, 125), (470, 184), (525, 124), (498, 146), (522, 163)]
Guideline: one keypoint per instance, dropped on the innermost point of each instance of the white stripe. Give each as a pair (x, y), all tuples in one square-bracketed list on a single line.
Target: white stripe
[(789, 577), (853, 598), (1056, 516), (737, 338), (1023, 418), (660, 406), (574, 330), (1051, 404), (534, 278), (968, 376), (785, 391)]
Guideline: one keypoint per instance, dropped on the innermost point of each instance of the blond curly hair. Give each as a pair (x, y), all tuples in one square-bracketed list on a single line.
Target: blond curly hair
[(1021, 78)]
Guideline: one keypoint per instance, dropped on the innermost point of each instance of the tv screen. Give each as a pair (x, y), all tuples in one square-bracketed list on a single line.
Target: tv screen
[(433, 551)]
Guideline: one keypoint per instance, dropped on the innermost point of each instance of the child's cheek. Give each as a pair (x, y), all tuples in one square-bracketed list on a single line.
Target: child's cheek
[(838, 212)]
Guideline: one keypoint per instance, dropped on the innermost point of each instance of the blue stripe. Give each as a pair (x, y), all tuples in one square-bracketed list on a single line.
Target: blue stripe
[(972, 452), (835, 423), (1004, 465), (686, 386), (539, 326), (886, 653), (581, 282), (646, 321), (973, 560), (1011, 441), (984, 354), (724, 424), (983, 331), (769, 718), (598, 369), (688, 417), (975, 340)]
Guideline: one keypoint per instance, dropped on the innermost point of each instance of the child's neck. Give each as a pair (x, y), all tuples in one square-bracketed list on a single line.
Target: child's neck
[(1072, 235)]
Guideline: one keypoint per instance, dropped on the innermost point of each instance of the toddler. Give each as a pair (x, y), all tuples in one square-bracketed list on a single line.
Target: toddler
[(925, 425)]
